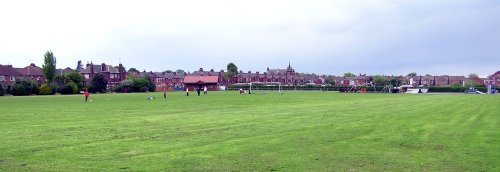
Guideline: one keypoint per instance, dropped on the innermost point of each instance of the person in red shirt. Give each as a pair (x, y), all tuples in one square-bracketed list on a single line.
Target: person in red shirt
[(87, 94)]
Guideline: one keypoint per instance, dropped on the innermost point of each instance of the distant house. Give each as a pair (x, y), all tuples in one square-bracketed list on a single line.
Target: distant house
[(65, 71), (198, 82), (165, 80), (7, 74), (286, 76), (113, 75), (495, 79), (34, 72)]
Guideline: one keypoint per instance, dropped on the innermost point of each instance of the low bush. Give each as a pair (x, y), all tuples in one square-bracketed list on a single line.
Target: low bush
[(69, 88), (45, 90)]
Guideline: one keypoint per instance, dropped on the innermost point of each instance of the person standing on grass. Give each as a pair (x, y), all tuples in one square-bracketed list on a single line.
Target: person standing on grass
[(87, 94), (165, 94), (198, 91), (187, 91), (205, 90)]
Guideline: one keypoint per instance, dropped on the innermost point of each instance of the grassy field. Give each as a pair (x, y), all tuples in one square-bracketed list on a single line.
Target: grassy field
[(225, 131)]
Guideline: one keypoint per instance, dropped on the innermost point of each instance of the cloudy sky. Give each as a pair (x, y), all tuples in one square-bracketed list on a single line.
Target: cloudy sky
[(455, 37)]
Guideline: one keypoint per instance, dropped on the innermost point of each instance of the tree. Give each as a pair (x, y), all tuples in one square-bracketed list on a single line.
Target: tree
[(125, 86), (79, 66), (395, 82), (330, 80), (49, 66), (232, 70), (151, 84), (169, 71), (380, 80), (349, 74), (76, 78), (133, 70), (69, 88), (98, 83), (179, 71), (25, 86), (473, 75), (412, 74)]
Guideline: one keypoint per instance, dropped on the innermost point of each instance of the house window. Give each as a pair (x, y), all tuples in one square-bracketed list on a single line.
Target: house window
[(12, 78), (87, 76), (2, 78), (112, 76)]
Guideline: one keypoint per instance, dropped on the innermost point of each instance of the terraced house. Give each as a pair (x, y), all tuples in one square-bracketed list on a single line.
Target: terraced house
[(113, 75), (8, 74)]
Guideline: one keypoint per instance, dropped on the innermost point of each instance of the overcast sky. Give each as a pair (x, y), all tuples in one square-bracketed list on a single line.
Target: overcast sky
[(455, 37)]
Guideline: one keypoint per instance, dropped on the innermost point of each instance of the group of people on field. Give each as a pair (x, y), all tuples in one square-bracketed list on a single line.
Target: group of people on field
[(198, 91), (87, 94)]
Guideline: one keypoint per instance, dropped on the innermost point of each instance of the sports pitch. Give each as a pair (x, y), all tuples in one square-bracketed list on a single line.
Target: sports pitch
[(225, 131)]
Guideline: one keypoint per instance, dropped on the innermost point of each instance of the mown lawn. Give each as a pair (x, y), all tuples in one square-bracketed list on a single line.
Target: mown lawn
[(225, 131)]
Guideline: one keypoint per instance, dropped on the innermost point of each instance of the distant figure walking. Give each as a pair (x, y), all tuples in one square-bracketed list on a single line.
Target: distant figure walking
[(205, 90), (165, 94), (87, 94), (187, 91), (198, 91)]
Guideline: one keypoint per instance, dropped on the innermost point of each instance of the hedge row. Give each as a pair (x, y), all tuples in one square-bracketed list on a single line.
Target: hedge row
[(347, 88), (444, 89)]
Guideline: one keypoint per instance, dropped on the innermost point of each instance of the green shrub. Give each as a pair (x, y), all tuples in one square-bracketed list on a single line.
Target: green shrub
[(45, 90), (29, 86), (144, 89), (69, 88), (19, 90), (2, 90), (448, 89)]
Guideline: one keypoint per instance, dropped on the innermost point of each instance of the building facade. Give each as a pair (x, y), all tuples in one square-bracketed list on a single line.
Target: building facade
[(8, 74), (495, 79), (113, 75)]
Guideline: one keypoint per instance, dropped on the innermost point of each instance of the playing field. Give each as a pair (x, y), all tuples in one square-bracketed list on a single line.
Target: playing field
[(225, 131)]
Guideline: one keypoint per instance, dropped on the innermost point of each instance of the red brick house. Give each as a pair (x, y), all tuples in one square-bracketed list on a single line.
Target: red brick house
[(7, 74), (286, 76), (198, 82), (34, 72), (164, 80), (495, 79), (113, 76)]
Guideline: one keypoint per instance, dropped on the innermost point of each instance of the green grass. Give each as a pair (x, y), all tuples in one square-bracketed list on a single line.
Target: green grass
[(225, 131)]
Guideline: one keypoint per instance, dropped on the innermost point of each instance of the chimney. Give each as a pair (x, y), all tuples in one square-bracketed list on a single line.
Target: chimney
[(91, 67), (103, 67), (267, 68)]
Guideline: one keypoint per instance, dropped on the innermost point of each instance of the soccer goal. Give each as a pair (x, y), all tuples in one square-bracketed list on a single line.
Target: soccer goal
[(265, 87)]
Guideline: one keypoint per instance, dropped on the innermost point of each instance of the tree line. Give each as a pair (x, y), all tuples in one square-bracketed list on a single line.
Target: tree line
[(72, 83)]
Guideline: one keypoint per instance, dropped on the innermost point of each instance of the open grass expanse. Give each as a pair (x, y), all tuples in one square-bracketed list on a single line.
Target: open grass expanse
[(225, 131)]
